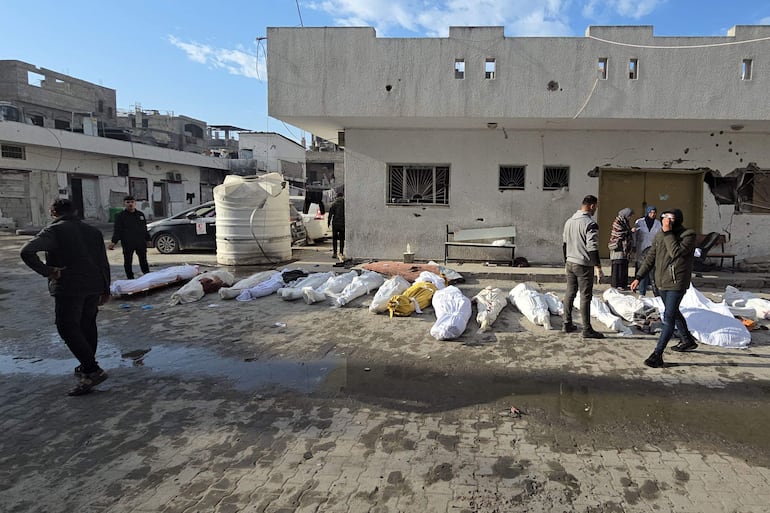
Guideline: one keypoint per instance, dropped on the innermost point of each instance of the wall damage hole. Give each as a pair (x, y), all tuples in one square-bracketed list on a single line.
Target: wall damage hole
[(388, 87), (686, 151), (553, 85)]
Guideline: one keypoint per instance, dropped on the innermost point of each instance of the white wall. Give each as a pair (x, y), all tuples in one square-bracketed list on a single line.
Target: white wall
[(375, 230)]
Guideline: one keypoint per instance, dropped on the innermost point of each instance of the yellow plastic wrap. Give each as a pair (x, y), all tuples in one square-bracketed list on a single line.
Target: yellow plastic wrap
[(403, 305)]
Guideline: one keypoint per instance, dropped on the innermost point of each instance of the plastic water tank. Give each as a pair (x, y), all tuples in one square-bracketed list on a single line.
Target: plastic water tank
[(253, 220)]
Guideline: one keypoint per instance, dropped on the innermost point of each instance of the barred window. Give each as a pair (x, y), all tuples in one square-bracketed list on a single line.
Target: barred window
[(512, 177), (555, 177), (12, 151), (418, 183)]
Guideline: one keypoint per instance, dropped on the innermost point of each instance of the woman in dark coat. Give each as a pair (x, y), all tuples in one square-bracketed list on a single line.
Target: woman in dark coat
[(621, 247)]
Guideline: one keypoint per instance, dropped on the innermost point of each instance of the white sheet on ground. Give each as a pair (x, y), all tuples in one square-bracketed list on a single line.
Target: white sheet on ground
[(293, 290), (333, 284), (532, 304), (262, 289), (710, 323), (601, 312), (363, 284), (741, 299), (453, 310), (193, 290), (154, 279), (490, 301), (628, 307), (390, 287), (246, 283), (555, 304), (433, 278)]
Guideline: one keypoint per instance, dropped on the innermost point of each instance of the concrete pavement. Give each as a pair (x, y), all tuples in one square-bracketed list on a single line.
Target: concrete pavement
[(271, 406)]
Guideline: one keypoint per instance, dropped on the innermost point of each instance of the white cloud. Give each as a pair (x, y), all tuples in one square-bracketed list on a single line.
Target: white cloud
[(434, 17), (634, 9), (234, 61), (764, 21)]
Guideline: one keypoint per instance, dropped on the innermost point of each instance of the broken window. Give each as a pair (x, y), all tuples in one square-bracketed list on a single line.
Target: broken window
[(418, 183), (555, 177), (633, 69), (35, 79), (512, 178), (602, 68), (489, 69), (459, 68), (753, 192), (746, 69), (12, 151)]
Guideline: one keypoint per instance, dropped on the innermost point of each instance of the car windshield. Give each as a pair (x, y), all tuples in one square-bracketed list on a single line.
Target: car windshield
[(201, 211)]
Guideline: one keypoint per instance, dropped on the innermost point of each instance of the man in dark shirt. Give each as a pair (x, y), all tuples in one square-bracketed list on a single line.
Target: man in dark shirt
[(79, 280), (131, 231), (337, 223)]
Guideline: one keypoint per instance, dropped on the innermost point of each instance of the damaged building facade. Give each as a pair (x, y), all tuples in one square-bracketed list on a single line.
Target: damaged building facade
[(478, 129)]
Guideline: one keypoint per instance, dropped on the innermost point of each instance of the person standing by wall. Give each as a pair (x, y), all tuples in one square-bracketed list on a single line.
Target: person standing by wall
[(621, 246), (337, 223), (646, 228), (581, 254), (671, 257), (131, 231), (79, 280)]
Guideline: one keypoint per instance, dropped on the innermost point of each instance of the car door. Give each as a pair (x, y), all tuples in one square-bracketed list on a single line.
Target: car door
[(201, 231)]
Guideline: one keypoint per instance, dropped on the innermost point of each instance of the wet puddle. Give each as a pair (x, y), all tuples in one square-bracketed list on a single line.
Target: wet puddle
[(307, 377)]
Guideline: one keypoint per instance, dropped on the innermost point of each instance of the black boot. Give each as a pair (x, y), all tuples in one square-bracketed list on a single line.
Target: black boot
[(655, 360)]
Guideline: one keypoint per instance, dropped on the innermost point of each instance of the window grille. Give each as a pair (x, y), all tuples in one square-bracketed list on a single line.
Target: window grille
[(11, 151), (512, 177), (555, 177), (418, 183)]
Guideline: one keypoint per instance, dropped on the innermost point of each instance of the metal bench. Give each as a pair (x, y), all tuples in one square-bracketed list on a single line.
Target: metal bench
[(474, 237), (721, 255)]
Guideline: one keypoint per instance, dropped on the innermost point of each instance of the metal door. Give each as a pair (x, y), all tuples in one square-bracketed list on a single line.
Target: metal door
[(666, 189)]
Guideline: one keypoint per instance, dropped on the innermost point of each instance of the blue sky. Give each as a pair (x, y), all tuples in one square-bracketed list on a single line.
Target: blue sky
[(203, 60)]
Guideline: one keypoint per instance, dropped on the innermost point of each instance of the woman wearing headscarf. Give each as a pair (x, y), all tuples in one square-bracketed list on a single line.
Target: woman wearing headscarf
[(621, 247), (646, 228)]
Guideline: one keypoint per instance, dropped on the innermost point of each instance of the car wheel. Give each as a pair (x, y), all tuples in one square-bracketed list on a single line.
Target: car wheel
[(166, 243)]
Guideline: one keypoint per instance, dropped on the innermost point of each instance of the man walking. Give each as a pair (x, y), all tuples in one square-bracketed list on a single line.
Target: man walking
[(671, 257), (581, 254), (337, 223), (79, 280), (131, 231)]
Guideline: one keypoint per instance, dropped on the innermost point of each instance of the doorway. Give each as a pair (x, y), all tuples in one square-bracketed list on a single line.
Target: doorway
[(85, 197), (637, 188)]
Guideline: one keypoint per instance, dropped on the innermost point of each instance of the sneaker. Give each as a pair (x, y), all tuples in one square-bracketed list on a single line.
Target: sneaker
[(685, 345), (88, 382), (655, 361), (592, 334), (569, 327)]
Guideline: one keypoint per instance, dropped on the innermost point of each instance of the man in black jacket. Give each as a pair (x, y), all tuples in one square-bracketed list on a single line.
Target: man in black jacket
[(337, 223), (79, 280), (131, 231)]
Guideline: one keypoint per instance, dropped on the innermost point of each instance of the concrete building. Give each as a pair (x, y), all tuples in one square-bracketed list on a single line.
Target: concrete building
[(325, 164), (38, 165), (164, 129), (54, 100), (480, 129), (273, 153)]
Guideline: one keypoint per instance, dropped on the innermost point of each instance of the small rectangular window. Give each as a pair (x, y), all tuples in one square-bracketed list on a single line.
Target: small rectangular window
[(602, 68), (12, 151), (122, 169), (555, 177), (489, 69), (100, 106), (61, 124), (633, 69), (459, 68), (424, 184), (746, 69), (512, 178)]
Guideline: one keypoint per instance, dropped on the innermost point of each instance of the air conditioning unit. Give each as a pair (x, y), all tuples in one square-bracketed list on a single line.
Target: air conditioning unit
[(173, 177)]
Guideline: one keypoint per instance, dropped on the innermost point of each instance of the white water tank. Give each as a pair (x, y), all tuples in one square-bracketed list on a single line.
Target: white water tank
[(253, 220)]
